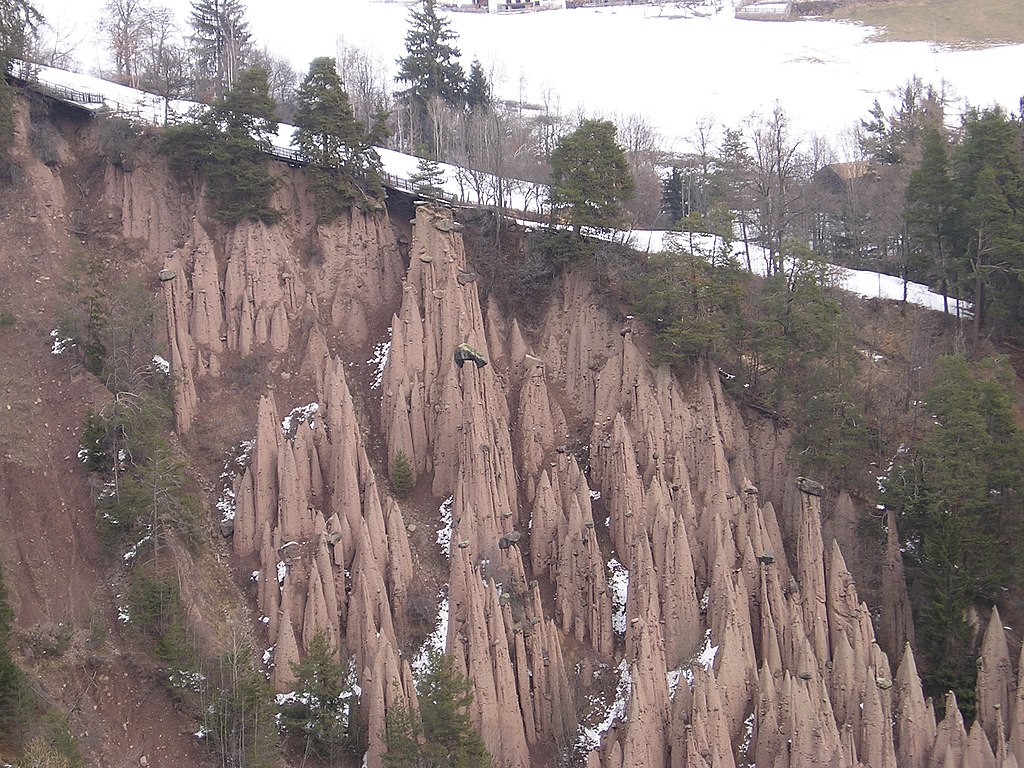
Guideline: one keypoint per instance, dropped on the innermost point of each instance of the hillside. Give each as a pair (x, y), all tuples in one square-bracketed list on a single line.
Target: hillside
[(635, 575)]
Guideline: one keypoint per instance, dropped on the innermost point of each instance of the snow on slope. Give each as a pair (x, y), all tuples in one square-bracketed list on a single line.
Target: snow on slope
[(152, 109), (646, 60)]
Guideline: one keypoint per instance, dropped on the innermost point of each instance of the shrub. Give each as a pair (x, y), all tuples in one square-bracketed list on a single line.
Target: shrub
[(403, 478), (119, 142), (45, 142)]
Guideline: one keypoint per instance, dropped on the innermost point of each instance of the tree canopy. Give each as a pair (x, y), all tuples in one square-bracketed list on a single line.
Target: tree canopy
[(431, 65), (442, 736), (18, 22), (221, 42), (590, 178), (335, 144), (228, 144)]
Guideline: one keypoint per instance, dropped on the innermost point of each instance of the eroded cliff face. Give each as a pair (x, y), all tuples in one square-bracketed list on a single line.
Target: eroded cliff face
[(572, 466), (634, 575)]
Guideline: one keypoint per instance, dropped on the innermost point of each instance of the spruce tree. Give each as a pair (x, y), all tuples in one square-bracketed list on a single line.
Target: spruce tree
[(958, 493), (929, 211), (443, 735), (328, 136), (430, 66), (428, 178), (322, 713), (445, 695), (478, 89), (990, 183), (221, 43), (430, 69), (590, 177), (18, 22), (403, 479)]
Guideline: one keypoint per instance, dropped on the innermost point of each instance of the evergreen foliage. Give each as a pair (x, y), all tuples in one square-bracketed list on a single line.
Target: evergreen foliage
[(590, 178), (990, 181), (957, 494), (220, 42), (672, 196), (238, 713), (15, 700), (342, 160), (478, 88), (19, 21), (428, 178), (443, 736), (930, 210), (433, 77), (430, 67), (784, 343), (157, 611), (322, 714), (403, 478), (228, 144)]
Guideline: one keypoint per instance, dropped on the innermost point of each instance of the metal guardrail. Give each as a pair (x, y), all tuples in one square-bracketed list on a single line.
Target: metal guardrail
[(25, 73)]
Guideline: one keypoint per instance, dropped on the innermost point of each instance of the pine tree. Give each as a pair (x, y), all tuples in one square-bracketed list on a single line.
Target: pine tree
[(428, 178), (590, 178), (19, 21), (229, 145), (329, 137), (322, 712), (221, 41), (430, 69), (478, 89), (929, 209)]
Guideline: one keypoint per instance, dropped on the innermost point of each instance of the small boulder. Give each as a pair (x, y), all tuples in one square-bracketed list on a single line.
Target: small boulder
[(810, 487)]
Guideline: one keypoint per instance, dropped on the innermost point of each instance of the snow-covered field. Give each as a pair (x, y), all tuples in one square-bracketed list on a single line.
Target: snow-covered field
[(648, 60)]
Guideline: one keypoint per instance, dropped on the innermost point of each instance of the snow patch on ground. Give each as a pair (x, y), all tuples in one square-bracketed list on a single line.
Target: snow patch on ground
[(238, 459), (437, 641), (590, 736), (379, 361), (706, 655), (618, 583), (133, 551), (444, 533), (60, 343), (297, 416)]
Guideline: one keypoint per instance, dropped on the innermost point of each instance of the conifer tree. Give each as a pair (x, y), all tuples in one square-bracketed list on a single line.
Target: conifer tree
[(958, 492), (238, 131), (430, 66), (18, 22), (221, 41), (990, 181), (590, 178), (428, 178), (322, 711), (929, 210), (430, 69), (334, 143), (442, 736), (478, 89), (228, 143)]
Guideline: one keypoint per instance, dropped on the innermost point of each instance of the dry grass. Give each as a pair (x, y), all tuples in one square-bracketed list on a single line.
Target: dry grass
[(959, 23)]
